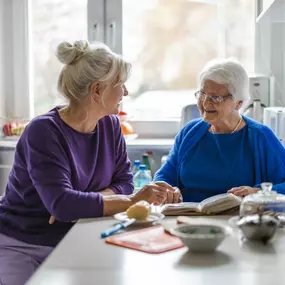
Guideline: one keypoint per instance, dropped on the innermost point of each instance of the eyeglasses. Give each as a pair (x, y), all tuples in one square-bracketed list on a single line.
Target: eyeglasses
[(199, 95)]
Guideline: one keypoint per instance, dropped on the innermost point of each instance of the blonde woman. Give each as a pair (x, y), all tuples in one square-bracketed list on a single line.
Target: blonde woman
[(70, 163)]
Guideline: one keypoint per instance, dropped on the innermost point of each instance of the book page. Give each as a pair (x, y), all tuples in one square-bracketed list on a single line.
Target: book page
[(179, 208), (219, 203)]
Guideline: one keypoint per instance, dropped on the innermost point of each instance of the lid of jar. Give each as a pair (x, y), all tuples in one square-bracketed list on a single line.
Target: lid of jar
[(265, 195)]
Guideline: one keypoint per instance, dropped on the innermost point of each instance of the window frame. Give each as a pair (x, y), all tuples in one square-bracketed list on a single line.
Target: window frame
[(22, 102)]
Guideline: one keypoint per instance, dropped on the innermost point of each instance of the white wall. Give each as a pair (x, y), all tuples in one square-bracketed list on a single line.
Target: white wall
[(270, 54), (6, 58), (2, 86)]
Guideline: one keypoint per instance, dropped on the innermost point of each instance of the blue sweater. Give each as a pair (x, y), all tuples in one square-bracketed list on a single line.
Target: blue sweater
[(216, 164), (267, 160)]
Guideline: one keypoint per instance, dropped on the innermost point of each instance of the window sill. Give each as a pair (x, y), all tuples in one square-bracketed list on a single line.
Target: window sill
[(8, 144), (150, 143), (156, 129), (139, 142)]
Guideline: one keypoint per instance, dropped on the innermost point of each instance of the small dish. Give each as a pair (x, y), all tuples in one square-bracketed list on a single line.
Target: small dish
[(200, 238), (153, 217)]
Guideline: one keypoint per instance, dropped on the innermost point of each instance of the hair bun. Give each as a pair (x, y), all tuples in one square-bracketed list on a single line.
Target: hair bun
[(67, 52)]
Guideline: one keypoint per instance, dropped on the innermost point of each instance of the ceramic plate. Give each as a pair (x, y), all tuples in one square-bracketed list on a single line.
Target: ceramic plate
[(153, 217)]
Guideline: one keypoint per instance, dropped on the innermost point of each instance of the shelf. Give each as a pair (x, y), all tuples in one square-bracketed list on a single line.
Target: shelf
[(274, 12)]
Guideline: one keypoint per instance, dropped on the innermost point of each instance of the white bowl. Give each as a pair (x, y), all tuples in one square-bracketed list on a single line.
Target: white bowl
[(200, 238)]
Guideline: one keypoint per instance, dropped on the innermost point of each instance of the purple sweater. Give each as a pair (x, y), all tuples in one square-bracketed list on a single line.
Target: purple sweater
[(58, 171)]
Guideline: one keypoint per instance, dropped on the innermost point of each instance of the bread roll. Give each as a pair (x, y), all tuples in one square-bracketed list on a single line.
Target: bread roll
[(140, 210)]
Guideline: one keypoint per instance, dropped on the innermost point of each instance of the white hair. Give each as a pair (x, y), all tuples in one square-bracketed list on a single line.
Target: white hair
[(230, 73), (85, 64)]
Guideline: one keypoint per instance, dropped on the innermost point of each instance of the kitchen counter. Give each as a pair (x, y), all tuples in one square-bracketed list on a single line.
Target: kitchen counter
[(82, 257), (8, 143), (150, 143), (161, 144)]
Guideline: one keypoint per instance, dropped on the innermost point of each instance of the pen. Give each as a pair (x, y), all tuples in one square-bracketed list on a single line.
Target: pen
[(116, 228)]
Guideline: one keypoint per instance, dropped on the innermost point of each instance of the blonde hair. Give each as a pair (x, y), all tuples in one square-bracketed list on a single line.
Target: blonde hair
[(229, 72), (85, 64)]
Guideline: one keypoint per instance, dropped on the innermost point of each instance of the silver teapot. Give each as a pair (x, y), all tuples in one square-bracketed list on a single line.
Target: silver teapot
[(258, 227)]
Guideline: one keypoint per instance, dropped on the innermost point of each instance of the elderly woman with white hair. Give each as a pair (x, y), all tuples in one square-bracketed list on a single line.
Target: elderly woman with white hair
[(70, 163), (223, 151)]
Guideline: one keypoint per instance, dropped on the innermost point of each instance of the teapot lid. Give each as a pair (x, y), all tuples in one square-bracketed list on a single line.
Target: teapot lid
[(265, 195)]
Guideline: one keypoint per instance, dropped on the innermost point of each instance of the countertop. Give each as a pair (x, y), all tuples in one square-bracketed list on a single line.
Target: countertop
[(82, 257), (135, 143), (8, 142)]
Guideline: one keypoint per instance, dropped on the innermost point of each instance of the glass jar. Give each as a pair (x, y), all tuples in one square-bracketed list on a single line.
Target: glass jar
[(264, 202)]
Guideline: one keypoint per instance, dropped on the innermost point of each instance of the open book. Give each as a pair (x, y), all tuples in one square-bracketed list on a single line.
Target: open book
[(210, 206)]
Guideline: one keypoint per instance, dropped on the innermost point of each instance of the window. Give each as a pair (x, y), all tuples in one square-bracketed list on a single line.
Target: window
[(167, 41), (52, 21)]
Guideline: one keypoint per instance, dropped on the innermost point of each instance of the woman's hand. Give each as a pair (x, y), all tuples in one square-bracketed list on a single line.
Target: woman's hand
[(153, 193), (51, 220), (173, 193), (243, 191)]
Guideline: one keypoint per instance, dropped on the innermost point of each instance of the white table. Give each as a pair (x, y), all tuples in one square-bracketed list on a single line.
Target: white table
[(83, 257)]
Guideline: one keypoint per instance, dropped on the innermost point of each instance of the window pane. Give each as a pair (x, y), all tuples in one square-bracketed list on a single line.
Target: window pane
[(169, 42), (52, 22)]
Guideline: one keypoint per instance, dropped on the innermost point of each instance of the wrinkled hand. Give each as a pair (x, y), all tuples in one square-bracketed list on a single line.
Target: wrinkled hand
[(173, 193), (243, 191), (152, 193)]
